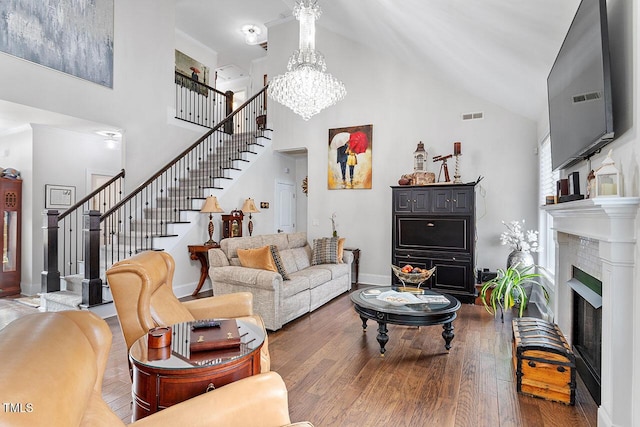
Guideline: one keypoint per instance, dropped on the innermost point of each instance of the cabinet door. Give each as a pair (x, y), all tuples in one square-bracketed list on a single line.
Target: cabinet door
[(452, 200), (462, 200), (441, 202), (421, 200), (402, 201), (453, 274)]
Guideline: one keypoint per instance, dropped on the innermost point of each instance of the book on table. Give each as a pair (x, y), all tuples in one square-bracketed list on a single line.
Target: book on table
[(215, 338)]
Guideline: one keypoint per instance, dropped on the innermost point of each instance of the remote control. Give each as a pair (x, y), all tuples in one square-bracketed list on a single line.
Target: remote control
[(203, 324)]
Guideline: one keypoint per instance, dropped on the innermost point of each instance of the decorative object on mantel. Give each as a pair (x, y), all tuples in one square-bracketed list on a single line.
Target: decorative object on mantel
[(249, 207), (591, 184), (522, 243), (608, 178), (457, 151), (573, 190), (420, 158), (417, 178), (443, 166), (305, 185), (306, 87), (211, 206)]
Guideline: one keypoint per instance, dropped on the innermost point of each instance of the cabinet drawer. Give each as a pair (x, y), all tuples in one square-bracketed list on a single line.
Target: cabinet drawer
[(452, 274), (178, 388)]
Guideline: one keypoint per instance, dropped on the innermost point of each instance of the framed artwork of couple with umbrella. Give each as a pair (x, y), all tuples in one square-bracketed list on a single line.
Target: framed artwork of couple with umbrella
[(350, 158)]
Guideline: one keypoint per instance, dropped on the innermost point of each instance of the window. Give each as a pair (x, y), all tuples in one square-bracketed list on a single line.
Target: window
[(547, 185)]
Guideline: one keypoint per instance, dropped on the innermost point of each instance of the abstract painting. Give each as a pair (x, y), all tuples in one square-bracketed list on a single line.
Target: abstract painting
[(350, 164), (72, 36)]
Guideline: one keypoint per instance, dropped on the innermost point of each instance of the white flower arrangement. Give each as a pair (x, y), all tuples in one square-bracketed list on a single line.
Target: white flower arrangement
[(519, 239)]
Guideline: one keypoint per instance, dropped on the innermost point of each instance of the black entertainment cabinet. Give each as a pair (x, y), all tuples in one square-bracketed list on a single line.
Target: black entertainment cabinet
[(435, 226)]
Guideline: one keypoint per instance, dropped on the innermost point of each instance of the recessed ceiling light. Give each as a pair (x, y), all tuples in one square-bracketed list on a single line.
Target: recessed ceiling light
[(251, 33)]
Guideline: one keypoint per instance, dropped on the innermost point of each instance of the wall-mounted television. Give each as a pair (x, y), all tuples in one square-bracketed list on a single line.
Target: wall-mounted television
[(579, 88)]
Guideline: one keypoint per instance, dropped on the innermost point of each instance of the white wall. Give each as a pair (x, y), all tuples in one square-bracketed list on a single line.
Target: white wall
[(405, 106)]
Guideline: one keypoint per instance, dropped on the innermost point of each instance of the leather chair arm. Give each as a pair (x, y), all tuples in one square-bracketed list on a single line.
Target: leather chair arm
[(260, 400), (238, 304)]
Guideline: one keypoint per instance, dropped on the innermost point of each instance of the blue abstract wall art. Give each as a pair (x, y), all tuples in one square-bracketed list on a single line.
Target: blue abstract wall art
[(72, 36)]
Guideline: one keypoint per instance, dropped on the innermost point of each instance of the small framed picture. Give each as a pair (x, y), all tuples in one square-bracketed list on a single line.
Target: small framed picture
[(59, 196)]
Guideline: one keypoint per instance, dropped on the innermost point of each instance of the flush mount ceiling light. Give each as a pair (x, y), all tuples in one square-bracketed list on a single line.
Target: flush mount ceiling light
[(251, 33), (112, 139), (306, 88)]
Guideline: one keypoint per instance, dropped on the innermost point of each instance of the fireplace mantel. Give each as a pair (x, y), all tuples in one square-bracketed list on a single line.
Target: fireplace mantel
[(608, 219), (611, 221)]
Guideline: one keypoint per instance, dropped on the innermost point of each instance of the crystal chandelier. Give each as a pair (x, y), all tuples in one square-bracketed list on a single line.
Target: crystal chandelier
[(306, 88)]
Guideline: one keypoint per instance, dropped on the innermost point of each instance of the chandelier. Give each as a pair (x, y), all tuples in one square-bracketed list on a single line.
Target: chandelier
[(306, 88)]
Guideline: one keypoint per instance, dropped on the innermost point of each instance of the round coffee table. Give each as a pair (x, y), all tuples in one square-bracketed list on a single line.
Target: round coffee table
[(166, 376), (430, 308)]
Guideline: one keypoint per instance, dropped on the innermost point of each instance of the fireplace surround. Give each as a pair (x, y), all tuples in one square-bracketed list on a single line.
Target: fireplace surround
[(607, 228)]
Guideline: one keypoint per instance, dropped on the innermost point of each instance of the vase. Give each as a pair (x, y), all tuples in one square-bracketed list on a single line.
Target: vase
[(524, 259)]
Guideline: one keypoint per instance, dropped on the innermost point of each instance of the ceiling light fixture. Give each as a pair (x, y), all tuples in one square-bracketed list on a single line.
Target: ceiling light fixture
[(306, 88), (112, 138), (251, 33)]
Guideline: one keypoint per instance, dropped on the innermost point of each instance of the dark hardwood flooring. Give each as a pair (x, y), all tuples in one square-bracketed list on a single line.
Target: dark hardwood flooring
[(336, 377)]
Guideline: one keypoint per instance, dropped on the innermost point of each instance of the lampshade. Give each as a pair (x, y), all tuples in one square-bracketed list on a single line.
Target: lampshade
[(211, 205), (249, 207)]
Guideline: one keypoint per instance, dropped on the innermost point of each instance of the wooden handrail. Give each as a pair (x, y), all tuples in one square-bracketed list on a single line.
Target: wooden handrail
[(91, 195), (198, 82), (179, 157)]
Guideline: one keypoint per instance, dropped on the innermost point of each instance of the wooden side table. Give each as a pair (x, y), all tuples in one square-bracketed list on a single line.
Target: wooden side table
[(356, 260), (170, 375), (199, 252)]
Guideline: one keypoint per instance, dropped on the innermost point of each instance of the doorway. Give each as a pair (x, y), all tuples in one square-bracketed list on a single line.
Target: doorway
[(285, 207)]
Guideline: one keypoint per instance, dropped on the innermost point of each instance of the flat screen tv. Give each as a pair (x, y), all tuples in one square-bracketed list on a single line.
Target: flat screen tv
[(579, 88)]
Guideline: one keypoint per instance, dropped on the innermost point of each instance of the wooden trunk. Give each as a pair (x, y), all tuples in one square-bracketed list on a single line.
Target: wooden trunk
[(544, 363)]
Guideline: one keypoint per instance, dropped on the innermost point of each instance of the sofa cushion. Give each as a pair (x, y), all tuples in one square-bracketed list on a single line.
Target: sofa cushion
[(316, 276), (325, 251), (297, 240), (277, 261), (337, 270), (280, 240), (259, 258), (295, 285)]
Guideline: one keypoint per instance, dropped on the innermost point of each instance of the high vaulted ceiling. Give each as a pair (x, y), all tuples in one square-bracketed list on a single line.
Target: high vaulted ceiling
[(500, 50)]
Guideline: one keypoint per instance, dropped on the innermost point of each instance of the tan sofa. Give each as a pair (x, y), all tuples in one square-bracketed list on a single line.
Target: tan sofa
[(52, 370), (276, 300)]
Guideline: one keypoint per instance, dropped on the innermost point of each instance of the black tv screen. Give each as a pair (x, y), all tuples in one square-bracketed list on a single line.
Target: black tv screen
[(579, 88)]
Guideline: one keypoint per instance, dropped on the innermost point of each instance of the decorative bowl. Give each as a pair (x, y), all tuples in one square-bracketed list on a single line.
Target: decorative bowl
[(413, 278)]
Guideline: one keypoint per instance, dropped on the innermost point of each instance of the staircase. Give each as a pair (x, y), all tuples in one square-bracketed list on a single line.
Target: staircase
[(152, 216)]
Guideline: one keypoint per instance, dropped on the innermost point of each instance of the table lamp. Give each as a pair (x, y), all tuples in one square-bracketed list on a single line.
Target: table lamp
[(211, 206), (249, 207)]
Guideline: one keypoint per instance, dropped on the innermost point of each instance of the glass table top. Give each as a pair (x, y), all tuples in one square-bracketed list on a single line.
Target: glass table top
[(389, 300), (179, 356)]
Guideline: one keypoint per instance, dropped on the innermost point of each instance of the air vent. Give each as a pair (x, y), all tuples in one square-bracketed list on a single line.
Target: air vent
[(585, 97), (472, 116)]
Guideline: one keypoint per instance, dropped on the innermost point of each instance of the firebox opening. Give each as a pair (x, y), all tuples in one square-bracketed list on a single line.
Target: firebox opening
[(587, 329)]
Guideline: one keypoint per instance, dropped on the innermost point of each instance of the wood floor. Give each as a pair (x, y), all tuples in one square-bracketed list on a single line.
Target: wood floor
[(336, 377)]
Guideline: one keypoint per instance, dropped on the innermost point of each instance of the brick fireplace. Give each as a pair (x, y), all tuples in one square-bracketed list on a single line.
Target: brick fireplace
[(599, 236)]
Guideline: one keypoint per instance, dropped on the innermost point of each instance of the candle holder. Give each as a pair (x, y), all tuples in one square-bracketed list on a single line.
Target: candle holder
[(456, 175)]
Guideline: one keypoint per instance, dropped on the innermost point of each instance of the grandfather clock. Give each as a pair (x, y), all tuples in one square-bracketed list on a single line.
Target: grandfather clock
[(10, 224), (232, 224)]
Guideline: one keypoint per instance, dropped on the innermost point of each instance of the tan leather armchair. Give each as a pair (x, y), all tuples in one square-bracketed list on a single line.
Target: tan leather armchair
[(52, 372), (142, 289)]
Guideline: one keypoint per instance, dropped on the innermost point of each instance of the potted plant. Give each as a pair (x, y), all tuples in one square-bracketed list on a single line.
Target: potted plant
[(509, 288)]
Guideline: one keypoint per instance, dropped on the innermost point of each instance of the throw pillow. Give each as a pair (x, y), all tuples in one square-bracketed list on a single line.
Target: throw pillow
[(341, 249), (257, 258), (325, 251), (277, 260)]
